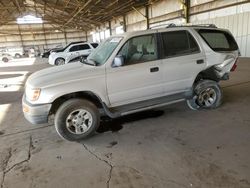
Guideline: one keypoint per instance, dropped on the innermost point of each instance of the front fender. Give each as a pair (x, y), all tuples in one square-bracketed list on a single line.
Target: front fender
[(96, 86)]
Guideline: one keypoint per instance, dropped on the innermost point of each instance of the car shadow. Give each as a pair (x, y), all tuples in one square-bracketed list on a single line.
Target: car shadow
[(114, 125)]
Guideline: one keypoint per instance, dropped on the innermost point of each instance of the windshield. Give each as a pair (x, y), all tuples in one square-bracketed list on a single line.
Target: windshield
[(103, 52)]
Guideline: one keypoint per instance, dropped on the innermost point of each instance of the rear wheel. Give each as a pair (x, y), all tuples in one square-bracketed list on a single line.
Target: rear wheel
[(17, 56), (77, 119), (59, 61), (207, 95)]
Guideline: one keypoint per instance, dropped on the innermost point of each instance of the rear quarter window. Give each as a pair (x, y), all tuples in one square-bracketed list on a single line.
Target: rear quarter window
[(218, 40)]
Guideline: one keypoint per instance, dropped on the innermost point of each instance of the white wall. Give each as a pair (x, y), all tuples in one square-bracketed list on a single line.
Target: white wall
[(158, 14), (40, 36)]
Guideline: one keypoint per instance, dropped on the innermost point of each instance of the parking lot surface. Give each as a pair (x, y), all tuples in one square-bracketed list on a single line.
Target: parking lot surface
[(171, 147)]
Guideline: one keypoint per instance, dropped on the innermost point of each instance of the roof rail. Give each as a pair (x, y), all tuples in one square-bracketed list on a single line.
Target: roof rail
[(206, 25), (171, 25)]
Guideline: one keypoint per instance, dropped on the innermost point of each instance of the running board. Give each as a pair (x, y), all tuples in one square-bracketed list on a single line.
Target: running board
[(150, 107), (143, 105)]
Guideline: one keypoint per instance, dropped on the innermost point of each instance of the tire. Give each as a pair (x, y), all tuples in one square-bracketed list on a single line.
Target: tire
[(71, 114), (192, 104), (17, 56), (59, 61), (207, 95), (5, 59)]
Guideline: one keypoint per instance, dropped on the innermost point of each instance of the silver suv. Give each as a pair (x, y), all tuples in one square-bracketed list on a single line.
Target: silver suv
[(130, 73)]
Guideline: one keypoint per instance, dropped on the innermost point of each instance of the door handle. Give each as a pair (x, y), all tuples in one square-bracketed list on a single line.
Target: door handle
[(154, 69), (200, 61)]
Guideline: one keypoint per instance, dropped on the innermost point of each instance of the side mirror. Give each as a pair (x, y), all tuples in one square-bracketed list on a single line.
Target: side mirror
[(118, 61)]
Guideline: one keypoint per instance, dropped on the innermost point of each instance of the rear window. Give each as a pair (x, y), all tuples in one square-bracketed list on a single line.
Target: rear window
[(84, 47), (218, 40)]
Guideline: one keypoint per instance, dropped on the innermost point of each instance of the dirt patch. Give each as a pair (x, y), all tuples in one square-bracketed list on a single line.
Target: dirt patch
[(207, 174), (214, 176), (111, 144)]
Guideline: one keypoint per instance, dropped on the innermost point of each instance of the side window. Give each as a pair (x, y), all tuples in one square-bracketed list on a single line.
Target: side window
[(178, 43), (95, 45), (74, 48), (84, 47), (194, 48), (139, 49)]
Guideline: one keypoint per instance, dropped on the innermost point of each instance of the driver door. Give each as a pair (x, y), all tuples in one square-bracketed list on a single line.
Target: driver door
[(140, 77)]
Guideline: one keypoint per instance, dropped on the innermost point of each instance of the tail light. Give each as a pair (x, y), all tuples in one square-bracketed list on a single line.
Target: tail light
[(234, 66)]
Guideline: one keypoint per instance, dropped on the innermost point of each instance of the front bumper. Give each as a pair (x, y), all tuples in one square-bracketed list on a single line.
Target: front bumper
[(51, 60), (35, 114)]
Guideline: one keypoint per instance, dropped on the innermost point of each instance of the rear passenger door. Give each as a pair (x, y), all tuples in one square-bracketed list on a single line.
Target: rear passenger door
[(182, 60)]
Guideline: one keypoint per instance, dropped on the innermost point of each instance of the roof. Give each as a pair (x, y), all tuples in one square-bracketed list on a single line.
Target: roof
[(85, 14), (168, 28)]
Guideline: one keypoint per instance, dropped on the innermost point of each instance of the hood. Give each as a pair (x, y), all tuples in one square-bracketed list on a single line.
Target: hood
[(58, 50), (62, 74)]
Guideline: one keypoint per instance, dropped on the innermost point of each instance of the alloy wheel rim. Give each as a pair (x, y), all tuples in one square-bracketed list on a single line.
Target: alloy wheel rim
[(207, 97), (60, 62), (79, 121)]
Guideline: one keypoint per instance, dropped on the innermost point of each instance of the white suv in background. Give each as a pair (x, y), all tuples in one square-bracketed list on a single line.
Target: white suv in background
[(133, 72), (15, 52), (71, 51)]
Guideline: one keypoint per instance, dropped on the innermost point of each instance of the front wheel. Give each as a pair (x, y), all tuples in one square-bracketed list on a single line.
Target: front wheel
[(207, 95), (77, 119), (59, 61), (5, 60)]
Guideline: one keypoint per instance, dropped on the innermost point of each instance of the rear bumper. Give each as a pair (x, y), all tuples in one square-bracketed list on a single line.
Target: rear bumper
[(35, 114)]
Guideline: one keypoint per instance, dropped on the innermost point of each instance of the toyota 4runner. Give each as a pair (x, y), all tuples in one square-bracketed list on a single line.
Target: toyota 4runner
[(130, 73)]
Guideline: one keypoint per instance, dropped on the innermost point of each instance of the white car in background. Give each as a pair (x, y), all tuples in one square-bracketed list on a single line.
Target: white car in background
[(71, 51), (14, 52)]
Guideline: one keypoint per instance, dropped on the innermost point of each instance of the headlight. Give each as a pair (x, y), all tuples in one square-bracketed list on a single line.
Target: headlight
[(32, 94)]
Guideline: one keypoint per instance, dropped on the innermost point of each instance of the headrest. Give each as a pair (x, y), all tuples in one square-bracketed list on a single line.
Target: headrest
[(140, 48), (151, 48)]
